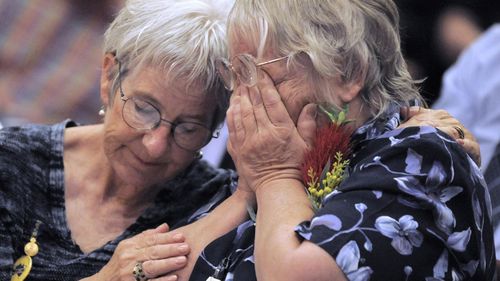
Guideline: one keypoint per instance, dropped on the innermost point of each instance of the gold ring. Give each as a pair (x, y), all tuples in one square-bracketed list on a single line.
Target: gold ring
[(139, 272), (461, 134)]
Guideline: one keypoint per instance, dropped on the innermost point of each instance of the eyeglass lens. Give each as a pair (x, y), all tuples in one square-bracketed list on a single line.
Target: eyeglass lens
[(244, 66), (241, 66), (142, 115), (224, 69)]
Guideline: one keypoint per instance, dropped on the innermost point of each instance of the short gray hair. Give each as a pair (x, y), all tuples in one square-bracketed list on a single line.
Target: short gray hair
[(181, 37), (356, 40)]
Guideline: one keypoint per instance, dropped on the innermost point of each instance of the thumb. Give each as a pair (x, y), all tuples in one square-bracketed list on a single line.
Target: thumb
[(306, 125)]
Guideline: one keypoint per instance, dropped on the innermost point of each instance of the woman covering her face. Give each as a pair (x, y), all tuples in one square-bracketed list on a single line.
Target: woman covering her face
[(411, 206)]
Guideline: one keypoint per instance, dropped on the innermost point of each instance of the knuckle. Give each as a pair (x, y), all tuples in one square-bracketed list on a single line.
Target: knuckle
[(124, 273), (154, 253), (124, 244), (442, 112), (147, 268), (151, 240)]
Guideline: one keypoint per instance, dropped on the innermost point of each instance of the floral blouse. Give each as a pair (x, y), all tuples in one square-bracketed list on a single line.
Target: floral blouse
[(414, 207)]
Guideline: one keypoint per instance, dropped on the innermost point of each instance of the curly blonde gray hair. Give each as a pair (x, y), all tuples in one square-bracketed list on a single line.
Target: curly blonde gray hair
[(355, 40)]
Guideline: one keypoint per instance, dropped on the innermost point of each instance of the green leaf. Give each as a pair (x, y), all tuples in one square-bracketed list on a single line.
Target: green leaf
[(326, 169)]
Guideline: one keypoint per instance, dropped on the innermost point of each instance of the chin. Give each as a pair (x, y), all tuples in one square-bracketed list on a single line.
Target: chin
[(142, 176)]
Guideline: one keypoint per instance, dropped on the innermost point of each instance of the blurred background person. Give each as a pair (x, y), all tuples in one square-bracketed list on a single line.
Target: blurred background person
[(49, 50), (471, 91), (434, 33)]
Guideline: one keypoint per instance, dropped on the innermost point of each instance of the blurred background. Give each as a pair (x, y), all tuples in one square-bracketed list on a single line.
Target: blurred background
[(434, 33), (50, 57), (50, 53)]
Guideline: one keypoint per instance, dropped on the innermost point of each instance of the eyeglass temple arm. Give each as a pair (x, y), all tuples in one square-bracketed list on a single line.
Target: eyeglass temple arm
[(271, 61)]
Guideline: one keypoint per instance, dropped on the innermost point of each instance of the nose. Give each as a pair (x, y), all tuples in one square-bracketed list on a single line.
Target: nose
[(158, 141)]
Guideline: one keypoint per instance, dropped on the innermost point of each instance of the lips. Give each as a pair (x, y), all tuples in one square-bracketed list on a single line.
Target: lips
[(146, 162)]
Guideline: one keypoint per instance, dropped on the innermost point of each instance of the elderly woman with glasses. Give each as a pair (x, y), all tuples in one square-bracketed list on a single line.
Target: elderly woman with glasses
[(93, 201), (412, 204)]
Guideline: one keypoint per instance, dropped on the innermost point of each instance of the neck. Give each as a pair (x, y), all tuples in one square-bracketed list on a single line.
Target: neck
[(94, 179), (132, 198)]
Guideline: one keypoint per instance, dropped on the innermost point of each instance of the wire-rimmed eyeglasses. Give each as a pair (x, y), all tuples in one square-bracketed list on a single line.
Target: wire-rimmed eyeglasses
[(243, 67), (142, 115)]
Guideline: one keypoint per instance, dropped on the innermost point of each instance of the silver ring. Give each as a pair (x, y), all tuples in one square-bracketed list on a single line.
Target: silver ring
[(461, 134), (139, 272)]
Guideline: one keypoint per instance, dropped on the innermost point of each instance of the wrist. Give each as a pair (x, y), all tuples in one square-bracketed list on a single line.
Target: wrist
[(100, 275), (279, 185), (283, 202), (245, 197)]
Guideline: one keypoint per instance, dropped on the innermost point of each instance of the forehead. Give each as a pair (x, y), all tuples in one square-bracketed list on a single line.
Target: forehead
[(155, 77), (243, 42), (174, 94)]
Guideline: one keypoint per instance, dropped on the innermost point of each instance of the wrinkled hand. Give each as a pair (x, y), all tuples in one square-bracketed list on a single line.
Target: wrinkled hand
[(442, 120), (159, 251), (263, 139)]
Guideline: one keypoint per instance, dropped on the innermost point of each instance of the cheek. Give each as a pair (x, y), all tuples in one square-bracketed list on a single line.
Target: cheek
[(115, 137)]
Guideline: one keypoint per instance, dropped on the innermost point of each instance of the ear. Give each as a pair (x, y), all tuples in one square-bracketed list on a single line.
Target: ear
[(108, 63), (349, 91)]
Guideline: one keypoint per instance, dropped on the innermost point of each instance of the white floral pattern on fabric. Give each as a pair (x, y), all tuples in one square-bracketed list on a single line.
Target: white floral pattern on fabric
[(404, 233), (414, 207), (424, 199)]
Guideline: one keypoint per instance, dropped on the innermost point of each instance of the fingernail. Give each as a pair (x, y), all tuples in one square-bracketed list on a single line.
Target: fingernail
[(313, 111), (162, 225), (172, 278), (180, 260), (183, 247)]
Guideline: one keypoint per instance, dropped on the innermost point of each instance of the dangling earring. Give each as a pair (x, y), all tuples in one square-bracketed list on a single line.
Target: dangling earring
[(102, 111), (198, 154)]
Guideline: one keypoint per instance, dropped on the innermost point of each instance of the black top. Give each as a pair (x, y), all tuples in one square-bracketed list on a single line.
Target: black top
[(414, 207), (32, 188)]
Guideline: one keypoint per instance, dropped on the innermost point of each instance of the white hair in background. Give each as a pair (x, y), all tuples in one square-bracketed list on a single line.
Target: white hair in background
[(223, 6)]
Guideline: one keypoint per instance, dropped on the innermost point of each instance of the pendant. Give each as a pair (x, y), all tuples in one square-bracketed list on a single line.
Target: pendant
[(22, 266)]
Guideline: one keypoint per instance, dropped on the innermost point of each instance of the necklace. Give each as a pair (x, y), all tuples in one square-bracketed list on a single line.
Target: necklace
[(22, 266)]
